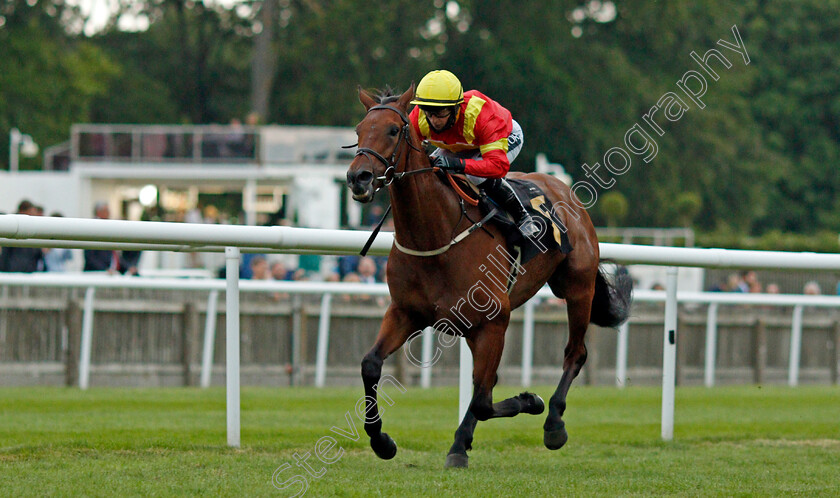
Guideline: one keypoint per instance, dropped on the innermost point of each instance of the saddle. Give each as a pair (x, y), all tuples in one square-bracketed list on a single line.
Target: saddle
[(552, 234)]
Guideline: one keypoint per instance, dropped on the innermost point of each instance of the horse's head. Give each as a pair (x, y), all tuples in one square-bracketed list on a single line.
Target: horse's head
[(380, 149)]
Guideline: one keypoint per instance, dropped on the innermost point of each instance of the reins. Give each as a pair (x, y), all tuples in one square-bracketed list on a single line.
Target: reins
[(470, 200)]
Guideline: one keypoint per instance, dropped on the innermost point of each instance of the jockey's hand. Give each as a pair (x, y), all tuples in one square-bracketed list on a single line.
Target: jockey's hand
[(450, 164)]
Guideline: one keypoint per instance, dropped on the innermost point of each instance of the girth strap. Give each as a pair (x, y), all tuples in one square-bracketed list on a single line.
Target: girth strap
[(458, 238)]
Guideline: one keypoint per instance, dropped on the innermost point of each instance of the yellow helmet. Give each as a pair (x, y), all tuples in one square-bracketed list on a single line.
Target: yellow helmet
[(439, 88)]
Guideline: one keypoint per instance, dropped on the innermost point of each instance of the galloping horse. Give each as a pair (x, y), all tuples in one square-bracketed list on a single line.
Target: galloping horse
[(430, 278)]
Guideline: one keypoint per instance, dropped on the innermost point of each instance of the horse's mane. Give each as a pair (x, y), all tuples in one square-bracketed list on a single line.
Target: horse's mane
[(386, 95)]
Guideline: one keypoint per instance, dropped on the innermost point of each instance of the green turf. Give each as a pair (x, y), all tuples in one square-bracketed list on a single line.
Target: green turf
[(729, 441)]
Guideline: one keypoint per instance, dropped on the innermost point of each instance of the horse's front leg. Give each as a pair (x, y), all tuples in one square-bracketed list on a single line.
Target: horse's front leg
[(395, 330)]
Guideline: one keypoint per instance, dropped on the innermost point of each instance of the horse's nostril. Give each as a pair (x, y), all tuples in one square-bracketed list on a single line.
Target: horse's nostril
[(364, 177)]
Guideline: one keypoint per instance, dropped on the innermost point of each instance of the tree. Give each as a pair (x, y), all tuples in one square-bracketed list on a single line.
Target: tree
[(687, 206), (194, 57), (51, 77), (264, 60), (614, 207)]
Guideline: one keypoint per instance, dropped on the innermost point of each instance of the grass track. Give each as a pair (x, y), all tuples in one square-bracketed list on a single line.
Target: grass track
[(742, 441)]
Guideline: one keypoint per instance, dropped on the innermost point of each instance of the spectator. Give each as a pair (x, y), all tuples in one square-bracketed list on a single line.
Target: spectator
[(347, 264), (194, 215), (233, 142), (812, 288), (374, 215), (736, 283), (383, 270), (252, 121), (733, 284), (749, 282), (259, 268), (211, 214), (298, 275), (128, 261), (367, 270), (56, 258), (23, 259), (245, 265), (279, 271), (367, 274), (352, 277), (101, 259), (772, 288)]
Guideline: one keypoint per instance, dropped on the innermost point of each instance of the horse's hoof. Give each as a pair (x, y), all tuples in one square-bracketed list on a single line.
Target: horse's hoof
[(534, 404), (554, 440), (456, 461), (384, 447)]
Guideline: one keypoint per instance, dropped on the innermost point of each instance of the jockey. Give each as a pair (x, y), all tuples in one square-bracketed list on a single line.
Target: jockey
[(474, 135)]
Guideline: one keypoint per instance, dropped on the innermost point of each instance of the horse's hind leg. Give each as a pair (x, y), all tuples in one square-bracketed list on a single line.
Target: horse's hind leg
[(578, 294), (393, 333)]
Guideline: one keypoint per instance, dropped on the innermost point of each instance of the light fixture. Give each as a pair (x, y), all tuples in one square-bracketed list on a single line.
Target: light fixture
[(20, 144), (148, 195)]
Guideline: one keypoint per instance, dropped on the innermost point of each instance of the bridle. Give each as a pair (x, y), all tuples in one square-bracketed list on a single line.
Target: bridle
[(391, 165)]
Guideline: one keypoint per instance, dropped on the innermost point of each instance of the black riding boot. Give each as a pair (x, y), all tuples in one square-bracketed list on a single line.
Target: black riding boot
[(500, 191)]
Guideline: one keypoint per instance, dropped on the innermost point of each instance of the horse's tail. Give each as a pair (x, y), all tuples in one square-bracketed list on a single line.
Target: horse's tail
[(611, 303)]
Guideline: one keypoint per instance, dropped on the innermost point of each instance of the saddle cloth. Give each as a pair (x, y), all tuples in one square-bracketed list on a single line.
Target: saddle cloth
[(552, 233)]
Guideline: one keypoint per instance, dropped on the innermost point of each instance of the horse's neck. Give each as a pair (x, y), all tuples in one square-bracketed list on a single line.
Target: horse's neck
[(425, 210)]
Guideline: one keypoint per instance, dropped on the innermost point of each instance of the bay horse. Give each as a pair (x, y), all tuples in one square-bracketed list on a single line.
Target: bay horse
[(430, 278)]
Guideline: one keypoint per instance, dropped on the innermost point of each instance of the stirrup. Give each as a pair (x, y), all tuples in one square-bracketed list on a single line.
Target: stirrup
[(527, 226)]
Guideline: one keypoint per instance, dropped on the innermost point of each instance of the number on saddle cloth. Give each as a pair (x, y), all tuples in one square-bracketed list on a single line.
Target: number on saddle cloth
[(551, 226)]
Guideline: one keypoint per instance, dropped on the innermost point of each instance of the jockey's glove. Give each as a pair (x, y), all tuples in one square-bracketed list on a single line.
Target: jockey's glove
[(449, 163)]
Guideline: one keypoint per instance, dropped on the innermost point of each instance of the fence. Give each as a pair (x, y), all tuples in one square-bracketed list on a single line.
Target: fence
[(78, 362), (172, 236)]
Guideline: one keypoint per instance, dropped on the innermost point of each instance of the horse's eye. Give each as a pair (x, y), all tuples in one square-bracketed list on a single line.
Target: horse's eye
[(394, 131)]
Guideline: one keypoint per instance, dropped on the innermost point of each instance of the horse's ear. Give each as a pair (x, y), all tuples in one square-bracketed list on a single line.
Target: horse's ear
[(406, 97), (366, 98)]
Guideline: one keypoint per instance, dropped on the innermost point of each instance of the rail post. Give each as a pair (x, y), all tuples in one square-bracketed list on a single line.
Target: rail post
[(465, 380), (528, 342), (621, 355), (73, 322), (232, 344), (323, 341), (669, 355), (760, 349), (427, 343), (711, 345), (795, 346), (189, 334), (834, 359), (87, 339), (298, 331), (209, 339)]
